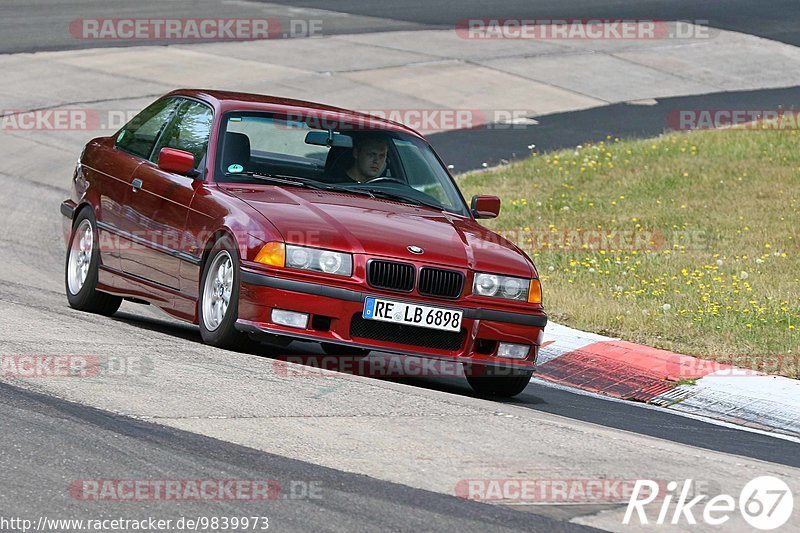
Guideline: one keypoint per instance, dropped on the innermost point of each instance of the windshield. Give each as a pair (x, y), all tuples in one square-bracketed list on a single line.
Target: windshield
[(335, 156)]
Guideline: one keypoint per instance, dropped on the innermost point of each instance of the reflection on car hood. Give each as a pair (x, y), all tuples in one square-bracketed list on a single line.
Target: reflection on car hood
[(372, 226)]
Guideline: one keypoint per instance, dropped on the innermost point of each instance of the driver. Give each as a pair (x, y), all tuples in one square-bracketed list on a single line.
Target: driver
[(369, 158)]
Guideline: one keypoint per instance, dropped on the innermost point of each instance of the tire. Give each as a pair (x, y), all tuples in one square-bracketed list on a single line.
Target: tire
[(81, 267), (341, 349), (218, 304), (495, 381)]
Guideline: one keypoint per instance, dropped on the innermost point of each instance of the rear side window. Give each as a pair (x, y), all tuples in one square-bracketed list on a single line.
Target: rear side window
[(140, 134), (189, 131)]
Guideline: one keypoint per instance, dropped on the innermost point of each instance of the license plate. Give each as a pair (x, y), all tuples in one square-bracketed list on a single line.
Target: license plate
[(412, 314)]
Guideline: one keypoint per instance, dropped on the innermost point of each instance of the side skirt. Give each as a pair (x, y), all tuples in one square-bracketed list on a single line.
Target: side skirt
[(171, 301)]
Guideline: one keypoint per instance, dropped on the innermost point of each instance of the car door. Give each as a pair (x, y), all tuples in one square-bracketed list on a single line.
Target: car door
[(109, 167), (159, 200), (133, 146)]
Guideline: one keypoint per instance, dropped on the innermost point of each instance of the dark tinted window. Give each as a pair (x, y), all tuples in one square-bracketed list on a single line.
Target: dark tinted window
[(189, 131), (140, 134)]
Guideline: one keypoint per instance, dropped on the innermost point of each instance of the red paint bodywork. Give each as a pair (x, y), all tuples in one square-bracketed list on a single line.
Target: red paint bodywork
[(176, 161), (486, 206), (153, 238)]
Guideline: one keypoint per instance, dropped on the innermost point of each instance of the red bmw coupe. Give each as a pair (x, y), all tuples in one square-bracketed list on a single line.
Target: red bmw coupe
[(268, 218)]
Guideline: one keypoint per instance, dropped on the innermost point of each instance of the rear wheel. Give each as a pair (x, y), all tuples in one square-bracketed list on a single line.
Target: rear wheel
[(497, 381), (219, 297), (83, 260)]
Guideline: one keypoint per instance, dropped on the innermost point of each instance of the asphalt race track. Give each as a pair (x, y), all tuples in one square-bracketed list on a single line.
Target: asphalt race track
[(54, 437), (388, 454)]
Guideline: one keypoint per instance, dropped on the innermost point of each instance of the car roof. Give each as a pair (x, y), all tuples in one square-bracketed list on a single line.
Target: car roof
[(239, 101)]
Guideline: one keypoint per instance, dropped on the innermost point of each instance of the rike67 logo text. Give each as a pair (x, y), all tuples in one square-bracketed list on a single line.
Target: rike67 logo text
[(765, 503)]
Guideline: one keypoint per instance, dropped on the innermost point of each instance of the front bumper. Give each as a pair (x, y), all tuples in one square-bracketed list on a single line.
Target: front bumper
[(335, 318)]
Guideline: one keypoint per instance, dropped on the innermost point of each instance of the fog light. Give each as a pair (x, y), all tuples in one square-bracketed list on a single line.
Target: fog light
[(290, 318), (513, 351)]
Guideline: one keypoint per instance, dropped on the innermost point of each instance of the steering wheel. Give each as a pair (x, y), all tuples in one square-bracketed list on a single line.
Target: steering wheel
[(387, 179)]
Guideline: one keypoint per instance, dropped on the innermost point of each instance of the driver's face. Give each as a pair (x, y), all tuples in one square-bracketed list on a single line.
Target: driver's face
[(370, 159)]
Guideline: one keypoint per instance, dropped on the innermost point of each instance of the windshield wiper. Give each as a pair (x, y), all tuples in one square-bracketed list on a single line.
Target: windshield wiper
[(281, 179), (277, 179), (379, 193)]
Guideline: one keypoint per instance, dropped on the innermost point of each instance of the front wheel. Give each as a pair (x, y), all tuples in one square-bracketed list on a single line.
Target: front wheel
[(83, 260), (219, 297), (497, 381)]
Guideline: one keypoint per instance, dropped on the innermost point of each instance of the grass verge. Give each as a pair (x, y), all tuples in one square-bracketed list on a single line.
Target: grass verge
[(686, 242)]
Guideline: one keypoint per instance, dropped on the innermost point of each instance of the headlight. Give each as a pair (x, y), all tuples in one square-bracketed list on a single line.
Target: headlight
[(298, 257), (495, 286), (332, 262), (326, 261), (291, 256)]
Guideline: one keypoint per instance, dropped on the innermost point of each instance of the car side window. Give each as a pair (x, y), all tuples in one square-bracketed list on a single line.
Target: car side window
[(189, 131), (140, 134)]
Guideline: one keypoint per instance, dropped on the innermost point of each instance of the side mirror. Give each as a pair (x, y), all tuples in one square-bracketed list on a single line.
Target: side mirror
[(177, 161), (485, 206)]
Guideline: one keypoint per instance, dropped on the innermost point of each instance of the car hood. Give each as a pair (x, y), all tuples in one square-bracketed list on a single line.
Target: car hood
[(359, 224)]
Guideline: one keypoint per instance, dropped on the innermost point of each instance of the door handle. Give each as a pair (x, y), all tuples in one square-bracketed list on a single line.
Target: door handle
[(136, 184)]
